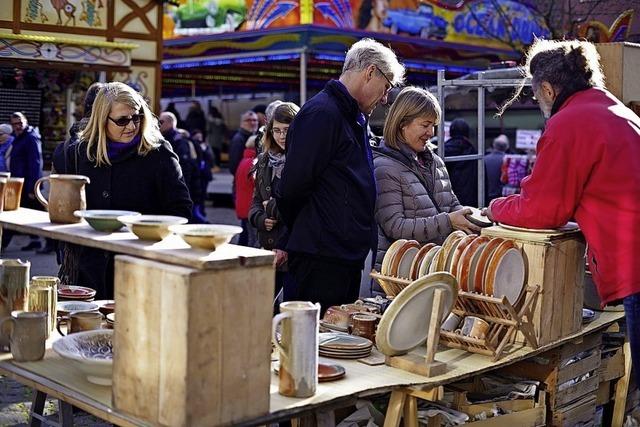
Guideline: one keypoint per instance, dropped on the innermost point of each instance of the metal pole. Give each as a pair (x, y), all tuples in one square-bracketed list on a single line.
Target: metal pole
[(441, 124), (303, 77), (481, 93)]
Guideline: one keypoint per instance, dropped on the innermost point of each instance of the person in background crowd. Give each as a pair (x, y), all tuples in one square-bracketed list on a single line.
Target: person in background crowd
[(90, 96), (131, 167), (493, 167), (206, 164), (327, 192), (216, 135), (268, 112), (195, 182), (25, 162), (588, 169), (171, 108), (187, 156), (195, 118), (264, 215), (464, 174), (248, 127), (260, 111), (415, 200), (244, 185), (5, 146)]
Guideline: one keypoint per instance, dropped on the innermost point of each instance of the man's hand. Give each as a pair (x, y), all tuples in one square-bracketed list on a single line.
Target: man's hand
[(459, 221), (270, 223)]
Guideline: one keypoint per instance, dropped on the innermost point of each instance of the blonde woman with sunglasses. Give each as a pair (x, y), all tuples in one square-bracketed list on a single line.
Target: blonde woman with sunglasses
[(131, 167)]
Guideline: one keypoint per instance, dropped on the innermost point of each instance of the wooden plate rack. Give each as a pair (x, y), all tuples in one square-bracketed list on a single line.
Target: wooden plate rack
[(505, 319)]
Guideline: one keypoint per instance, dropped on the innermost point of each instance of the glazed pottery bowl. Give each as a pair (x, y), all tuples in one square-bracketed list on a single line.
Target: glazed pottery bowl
[(104, 220), (91, 352), (206, 236), (151, 227), (65, 307)]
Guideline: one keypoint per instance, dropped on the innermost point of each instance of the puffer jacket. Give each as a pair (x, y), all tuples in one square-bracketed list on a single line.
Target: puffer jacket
[(404, 209)]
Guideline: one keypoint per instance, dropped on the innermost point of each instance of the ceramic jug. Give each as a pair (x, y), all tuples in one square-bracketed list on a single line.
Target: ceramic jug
[(298, 347), (66, 195), (28, 332), (14, 290), (43, 296)]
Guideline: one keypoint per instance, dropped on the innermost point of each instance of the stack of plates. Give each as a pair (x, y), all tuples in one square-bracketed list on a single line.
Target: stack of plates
[(76, 293), (344, 346)]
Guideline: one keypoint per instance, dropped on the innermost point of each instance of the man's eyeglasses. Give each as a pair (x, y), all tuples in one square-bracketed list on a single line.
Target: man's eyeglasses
[(385, 77), (278, 132), (124, 121)]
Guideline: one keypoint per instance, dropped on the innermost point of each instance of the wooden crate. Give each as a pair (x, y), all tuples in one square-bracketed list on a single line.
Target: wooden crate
[(611, 367), (620, 64), (555, 262), (603, 395), (523, 412), (552, 369), (581, 412), (192, 346)]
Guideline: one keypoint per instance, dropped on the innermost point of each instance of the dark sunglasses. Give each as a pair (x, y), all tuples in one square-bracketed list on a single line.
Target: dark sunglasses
[(124, 121)]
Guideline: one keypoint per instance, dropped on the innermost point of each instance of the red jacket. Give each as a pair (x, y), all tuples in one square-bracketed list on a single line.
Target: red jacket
[(245, 182), (588, 168)]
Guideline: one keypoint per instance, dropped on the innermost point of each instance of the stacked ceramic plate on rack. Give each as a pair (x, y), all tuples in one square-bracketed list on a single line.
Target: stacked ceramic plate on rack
[(343, 346), (491, 266), (76, 293), (111, 320)]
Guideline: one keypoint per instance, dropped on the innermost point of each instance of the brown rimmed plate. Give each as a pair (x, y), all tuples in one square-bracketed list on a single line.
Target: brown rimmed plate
[(465, 266), (505, 274), (483, 261), (457, 253), (417, 260)]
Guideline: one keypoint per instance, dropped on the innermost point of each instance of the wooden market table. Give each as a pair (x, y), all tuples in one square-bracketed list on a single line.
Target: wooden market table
[(59, 379)]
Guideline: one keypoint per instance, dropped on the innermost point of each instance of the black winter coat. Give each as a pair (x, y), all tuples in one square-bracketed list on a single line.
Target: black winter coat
[(150, 184), (327, 194), (276, 238), (464, 174)]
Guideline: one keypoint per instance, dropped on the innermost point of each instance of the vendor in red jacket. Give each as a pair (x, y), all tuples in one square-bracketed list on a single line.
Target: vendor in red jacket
[(587, 168)]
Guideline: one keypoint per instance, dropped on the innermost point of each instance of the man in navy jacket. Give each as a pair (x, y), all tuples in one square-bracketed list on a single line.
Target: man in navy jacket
[(327, 192)]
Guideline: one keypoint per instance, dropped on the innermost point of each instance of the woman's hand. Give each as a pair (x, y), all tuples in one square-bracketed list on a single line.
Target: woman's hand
[(459, 221), (487, 212), (281, 257), (270, 223)]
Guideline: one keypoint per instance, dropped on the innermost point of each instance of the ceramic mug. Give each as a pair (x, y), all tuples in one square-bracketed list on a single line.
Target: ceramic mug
[(364, 325), (451, 323), (79, 321), (474, 327), (298, 347), (12, 193), (43, 296), (27, 332)]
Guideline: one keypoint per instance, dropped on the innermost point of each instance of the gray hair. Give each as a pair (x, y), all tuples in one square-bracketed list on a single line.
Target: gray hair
[(568, 65), (247, 114), (368, 52), (5, 128), (501, 143), (169, 115)]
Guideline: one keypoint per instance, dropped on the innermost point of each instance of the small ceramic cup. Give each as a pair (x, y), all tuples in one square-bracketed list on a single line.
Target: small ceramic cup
[(474, 327), (27, 332), (79, 321), (12, 193), (451, 323), (364, 325)]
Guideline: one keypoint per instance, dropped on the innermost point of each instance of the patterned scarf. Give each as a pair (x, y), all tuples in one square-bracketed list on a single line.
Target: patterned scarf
[(276, 161)]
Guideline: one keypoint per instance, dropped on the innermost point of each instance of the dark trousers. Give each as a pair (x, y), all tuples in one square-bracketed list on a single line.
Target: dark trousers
[(632, 314), (321, 280)]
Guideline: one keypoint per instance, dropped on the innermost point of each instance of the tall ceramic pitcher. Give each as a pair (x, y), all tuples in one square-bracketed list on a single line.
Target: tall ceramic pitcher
[(298, 345), (66, 195), (14, 290)]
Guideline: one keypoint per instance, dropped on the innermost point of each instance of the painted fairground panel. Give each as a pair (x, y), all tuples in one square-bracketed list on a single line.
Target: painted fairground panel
[(67, 13), (472, 22)]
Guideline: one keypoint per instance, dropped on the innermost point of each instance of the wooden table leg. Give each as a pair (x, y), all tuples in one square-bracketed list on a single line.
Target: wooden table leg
[(622, 388), (65, 414), (395, 409), (410, 412), (37, 408)]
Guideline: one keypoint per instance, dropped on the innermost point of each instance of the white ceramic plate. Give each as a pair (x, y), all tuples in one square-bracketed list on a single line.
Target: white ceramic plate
[(570, 226), (404, 268), (508, 279), (405, 323), (427, 260)]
